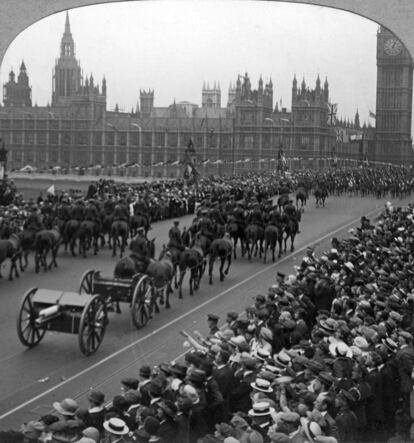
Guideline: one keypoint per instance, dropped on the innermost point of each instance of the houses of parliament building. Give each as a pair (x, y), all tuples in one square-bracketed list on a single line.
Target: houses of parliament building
[(76, 129)]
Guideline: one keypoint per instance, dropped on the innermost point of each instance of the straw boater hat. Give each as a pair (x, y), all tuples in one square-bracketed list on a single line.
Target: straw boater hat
[(261, 409), (260, 384), (116, 426), (311, 428)]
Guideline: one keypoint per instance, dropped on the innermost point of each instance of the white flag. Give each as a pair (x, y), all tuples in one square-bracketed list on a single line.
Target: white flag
[(51, 190)]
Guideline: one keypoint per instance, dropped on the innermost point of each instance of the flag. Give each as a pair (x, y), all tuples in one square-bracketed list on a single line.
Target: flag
[(177, 162), (51, 190), (339, 135), (371, 114), (332, 109)]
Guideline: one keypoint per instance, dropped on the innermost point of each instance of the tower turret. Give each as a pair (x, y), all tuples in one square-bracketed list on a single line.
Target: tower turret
[(318, 85), (356, 120), (326, 89)]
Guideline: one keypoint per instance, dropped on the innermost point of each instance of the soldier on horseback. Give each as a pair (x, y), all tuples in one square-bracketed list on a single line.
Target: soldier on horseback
[(275, 217), (291, 213), (121, 212), (206, 226), (109, 205), (78, 211), (34, 222), (174, 234), (256, 216), (139, 245), (238, 213), (140, 207)]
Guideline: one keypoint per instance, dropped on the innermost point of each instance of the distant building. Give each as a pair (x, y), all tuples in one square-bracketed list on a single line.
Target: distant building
[(18, 93), (246, 134)]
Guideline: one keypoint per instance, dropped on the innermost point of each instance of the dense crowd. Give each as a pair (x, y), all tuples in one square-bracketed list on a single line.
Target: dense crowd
[(325, 355)]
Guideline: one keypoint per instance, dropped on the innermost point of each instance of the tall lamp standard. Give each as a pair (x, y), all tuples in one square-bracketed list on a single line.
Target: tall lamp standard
[(115, 142), (136, 125)]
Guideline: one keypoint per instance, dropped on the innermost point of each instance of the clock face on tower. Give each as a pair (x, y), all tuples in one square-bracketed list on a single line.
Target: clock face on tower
[(392, 46)]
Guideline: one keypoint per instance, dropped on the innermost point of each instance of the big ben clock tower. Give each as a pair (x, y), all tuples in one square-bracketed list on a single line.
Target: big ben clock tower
[(394, 100)]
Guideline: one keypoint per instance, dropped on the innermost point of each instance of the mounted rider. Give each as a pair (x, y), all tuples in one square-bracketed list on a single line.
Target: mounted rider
[(275, 217), (255, 216), (292, 213), (78, 211), (34, 222), (175, 236), (216, 216), (140, 207), (91, 211), (206, 225), (139, 244), (121, 212), (109, 205), (63, 210)]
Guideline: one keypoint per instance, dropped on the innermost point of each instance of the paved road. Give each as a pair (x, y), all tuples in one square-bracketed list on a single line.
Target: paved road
[(33, 379)]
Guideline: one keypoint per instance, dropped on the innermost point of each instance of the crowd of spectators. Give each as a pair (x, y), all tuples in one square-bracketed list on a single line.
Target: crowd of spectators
[(325, 355)]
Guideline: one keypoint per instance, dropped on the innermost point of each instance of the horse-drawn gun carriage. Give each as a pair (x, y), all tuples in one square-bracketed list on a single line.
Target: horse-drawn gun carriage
[(136, 290), (44, 310)]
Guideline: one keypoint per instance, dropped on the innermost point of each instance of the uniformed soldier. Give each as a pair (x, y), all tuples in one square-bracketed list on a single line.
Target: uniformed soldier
[(78, 211), (121, 212), (174, 234), (33, 221), (292, 213), (256, 216), (139, 245)]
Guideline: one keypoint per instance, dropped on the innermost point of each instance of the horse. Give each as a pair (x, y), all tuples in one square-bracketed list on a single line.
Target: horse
[(10, 248), (162, 273), (88, 236), (282, 201), (70, 234), (273, 236), (223, 248), (27, 238), (290, 229), (320, 195), (189, 258), (46, 240), (139, 221), (119, 235), (254, 235), (302, 195), (236, 233)]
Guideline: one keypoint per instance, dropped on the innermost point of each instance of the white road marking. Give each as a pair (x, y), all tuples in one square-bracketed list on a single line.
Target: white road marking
[(182, 316)]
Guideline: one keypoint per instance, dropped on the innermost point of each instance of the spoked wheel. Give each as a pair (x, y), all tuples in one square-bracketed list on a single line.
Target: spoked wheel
[(86, 284), (92, 325), (141, 307), (28, 331)]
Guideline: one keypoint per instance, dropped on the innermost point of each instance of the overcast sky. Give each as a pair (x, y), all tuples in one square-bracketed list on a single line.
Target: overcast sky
[(173, 47)]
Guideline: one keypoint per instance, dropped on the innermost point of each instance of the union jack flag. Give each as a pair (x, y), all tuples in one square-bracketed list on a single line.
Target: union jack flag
[(332, 109), (339, 135)]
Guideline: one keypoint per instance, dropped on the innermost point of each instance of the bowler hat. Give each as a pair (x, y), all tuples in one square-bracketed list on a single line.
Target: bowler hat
[(145, 371), (130, 383), (96, 397), (67, 406)]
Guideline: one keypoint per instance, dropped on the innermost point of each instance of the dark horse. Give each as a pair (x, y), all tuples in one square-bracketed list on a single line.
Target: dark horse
[(290, 230), (119, 236), (139, 221), (220, 247), (254, 235), (46, 240), (88, 236), (10, 248), (273, 236), (282, 201), (236, 233), (320, 195), (70, 235), (190, 258), (302, 195)]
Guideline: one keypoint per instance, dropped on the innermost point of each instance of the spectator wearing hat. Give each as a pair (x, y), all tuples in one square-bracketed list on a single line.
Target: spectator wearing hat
[(166, 413), (323, 404), (119, 409), (116, 431), (224, 377), (143, 386), (92, 433), (240, 396), (214, 397), (261, 417), (345, 418), (404, 359), (231, 319), (289, 424), (32, 431), (68, 425), (155, 390), (96, 411), (240, 427), (224, 433)]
